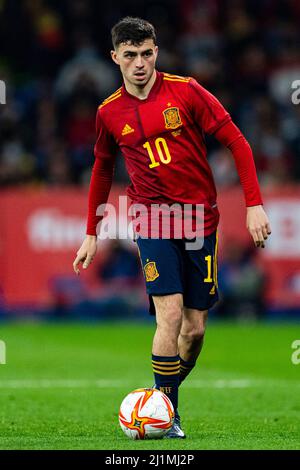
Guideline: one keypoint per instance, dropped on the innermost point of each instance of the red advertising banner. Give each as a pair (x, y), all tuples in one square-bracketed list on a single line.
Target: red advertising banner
[(280, 259), (41, 230)]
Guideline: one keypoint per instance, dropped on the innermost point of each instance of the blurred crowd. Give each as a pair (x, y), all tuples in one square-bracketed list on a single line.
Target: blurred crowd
[(55, 61)]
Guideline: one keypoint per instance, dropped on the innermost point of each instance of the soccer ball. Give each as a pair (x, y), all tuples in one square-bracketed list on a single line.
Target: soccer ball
[(146, 413)]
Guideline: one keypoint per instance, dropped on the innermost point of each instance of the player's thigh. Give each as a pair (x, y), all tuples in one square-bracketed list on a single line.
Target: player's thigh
[(169, 310)]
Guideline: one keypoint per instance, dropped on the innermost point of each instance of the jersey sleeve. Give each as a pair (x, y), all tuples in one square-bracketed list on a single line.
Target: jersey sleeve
[(231, 136), (105, 151), (105, 146), (207, 110)]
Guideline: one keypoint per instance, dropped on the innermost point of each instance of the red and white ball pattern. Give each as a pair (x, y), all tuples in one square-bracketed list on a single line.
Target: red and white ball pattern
[(146, 413)]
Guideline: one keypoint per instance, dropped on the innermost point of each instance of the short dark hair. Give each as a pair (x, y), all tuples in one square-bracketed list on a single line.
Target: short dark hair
[(132, 30)]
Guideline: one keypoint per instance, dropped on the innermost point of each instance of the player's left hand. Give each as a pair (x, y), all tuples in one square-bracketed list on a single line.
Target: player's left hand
[(258, 225)]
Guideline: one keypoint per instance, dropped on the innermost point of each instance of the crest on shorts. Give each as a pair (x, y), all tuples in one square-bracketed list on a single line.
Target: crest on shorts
[(172, 118), (151, 272)]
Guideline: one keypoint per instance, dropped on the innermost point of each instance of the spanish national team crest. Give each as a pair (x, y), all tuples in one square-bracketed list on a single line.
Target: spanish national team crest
[(151, 272), (172, 118)]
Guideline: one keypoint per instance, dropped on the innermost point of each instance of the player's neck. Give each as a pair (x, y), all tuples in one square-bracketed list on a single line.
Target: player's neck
[(141, 92)]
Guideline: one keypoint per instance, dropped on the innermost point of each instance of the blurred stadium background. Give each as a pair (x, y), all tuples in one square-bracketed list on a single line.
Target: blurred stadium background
[(64, 380), (56, 65)]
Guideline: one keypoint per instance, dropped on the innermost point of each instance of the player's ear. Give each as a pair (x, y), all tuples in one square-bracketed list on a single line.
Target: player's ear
[(114, 57)]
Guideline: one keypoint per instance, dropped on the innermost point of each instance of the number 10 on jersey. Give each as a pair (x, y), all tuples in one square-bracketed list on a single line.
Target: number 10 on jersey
[(162, 150)]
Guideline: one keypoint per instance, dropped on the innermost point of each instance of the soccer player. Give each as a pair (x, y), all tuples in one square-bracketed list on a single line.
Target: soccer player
[(158, 121)]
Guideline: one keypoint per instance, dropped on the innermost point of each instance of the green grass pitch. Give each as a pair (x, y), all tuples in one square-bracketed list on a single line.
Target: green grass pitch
[(62, 386)]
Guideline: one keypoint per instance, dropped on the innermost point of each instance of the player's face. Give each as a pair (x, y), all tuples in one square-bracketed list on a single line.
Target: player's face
[(137, 63)]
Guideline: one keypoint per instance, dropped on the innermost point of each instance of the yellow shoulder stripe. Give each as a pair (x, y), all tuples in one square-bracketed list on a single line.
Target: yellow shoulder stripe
[(107, 100), (175, 78), (171, 75), (110, 99), (113, 94)]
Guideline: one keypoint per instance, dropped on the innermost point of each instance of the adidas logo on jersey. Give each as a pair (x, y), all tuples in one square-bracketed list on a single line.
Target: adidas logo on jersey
[(127, 129)]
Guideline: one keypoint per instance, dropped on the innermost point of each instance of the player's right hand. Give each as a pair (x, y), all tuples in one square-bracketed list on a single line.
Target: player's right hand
[(86, 253)]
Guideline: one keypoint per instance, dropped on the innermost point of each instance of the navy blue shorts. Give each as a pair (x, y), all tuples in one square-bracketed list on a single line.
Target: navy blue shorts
[(170, 268)]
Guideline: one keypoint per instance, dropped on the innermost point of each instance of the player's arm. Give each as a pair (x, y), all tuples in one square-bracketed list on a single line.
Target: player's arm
[(99, 189), (215, 120), (257, 221)]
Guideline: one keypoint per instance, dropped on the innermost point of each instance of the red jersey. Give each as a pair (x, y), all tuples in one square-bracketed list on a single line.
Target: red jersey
[(162, 141)]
